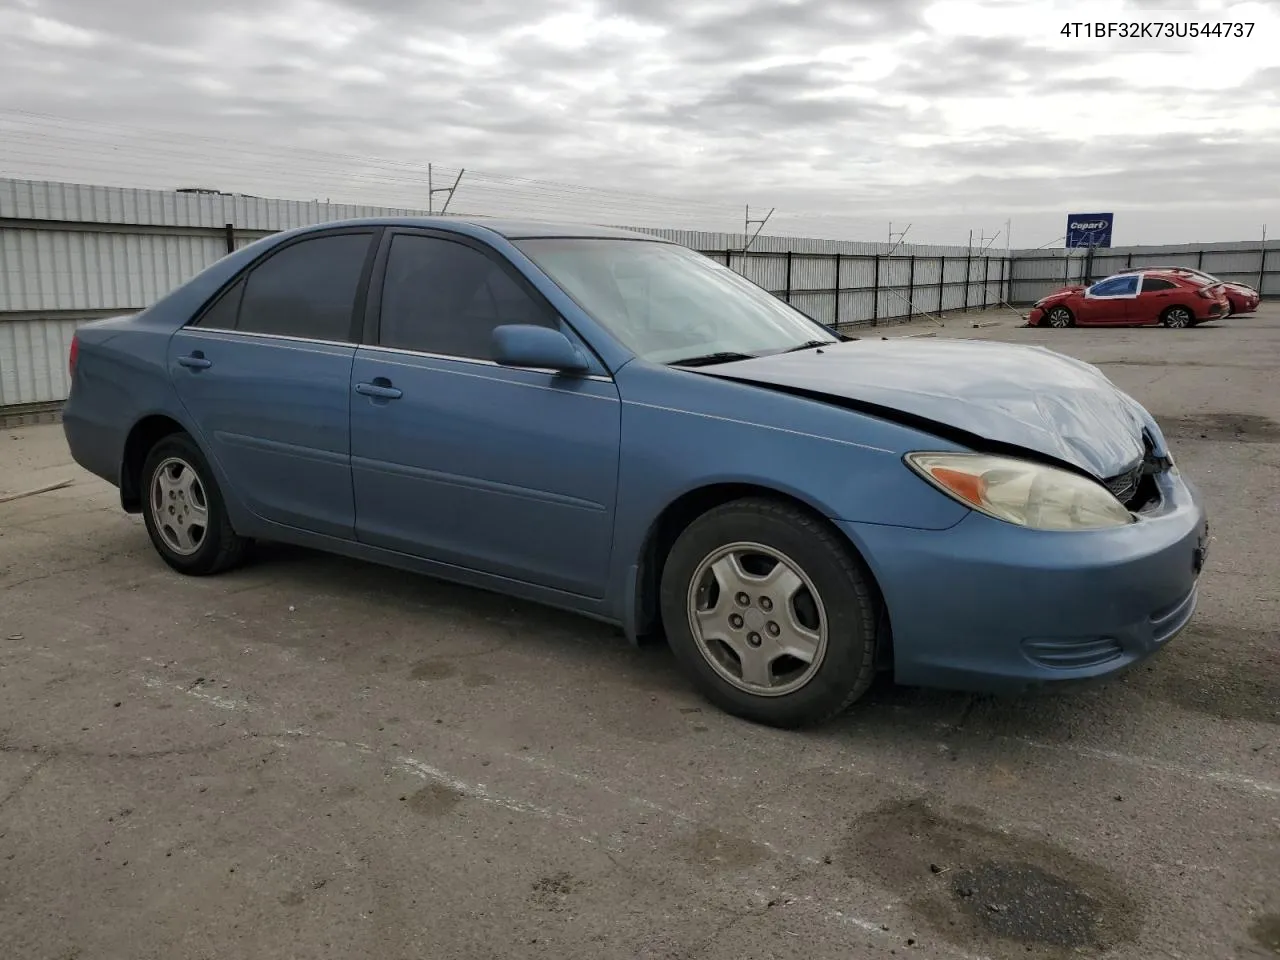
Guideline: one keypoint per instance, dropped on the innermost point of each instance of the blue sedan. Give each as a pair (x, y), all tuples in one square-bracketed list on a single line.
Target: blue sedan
[(617, 425)]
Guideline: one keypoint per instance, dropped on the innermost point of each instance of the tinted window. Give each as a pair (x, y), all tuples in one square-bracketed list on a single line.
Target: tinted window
[(308, 289), (444, 297), (1115, 286), (1157, 283), (222, 315)]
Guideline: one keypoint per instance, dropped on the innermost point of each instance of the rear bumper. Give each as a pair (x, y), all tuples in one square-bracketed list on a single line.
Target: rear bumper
[(94, 445), (986, 606)]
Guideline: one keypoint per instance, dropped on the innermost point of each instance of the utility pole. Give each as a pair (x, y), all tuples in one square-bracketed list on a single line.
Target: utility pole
[(894, 245), (1262, 260), (758, 224), (432, 190)]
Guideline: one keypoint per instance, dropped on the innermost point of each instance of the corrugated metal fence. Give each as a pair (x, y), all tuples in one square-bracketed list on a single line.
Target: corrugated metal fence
[(72, 252)]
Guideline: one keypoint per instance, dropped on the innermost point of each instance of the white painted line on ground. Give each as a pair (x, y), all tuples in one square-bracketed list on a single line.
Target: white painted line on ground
[(1236, 780), (478, 791), (222, 703)]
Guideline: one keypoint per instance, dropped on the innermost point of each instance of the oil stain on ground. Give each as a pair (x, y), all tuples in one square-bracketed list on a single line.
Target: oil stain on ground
[(1229, 427), (714, 848), (432, 670), (552, 891), (434, 800), (979, 887), (1266, 933)]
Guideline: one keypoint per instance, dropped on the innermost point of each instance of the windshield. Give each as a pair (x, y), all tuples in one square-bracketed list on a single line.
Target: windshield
[(666, 303)]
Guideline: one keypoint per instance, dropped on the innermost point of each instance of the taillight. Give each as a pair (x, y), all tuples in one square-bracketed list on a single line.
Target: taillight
[(1208, 293), (73, 355)]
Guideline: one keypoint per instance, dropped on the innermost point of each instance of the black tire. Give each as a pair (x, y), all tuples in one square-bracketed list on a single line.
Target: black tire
[(1178, 318), (847, 665), (1060, 311), (219, 547)]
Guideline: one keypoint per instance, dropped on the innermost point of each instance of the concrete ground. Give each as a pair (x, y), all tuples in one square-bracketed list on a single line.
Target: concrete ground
[(312, 758)]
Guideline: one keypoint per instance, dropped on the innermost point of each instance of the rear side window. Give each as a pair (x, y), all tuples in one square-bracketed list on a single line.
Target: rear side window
[(222, 315), (443, 297), (307, 290), (1157, 283)]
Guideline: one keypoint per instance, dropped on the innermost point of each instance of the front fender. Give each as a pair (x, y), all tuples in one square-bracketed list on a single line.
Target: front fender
[(682, 433)]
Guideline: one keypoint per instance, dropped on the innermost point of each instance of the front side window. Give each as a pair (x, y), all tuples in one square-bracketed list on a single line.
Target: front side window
[(665, 302), (444, 297), (1115, 287), (307, 290)]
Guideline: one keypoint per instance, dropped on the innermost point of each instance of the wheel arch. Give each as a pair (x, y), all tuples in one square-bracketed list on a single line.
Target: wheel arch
[(144, 435), (682, 511)]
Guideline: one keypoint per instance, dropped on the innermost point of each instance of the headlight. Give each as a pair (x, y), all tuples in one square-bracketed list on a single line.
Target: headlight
[(1022, 492)]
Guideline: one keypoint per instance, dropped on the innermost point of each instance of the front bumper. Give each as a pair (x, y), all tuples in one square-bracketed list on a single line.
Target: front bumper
[(986, 606)]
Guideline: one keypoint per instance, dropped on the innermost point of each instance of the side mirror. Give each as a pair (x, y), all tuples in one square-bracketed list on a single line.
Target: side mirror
[(528, 345)]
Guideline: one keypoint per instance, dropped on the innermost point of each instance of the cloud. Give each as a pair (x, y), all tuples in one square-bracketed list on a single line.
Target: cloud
[(846, 113)]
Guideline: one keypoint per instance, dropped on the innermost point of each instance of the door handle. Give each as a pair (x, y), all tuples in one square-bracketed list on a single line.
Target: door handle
[(196, 361), (382, 390)]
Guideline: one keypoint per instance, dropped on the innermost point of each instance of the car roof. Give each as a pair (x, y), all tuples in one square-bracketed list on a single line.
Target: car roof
[(510, 229), (1154, 271), (1171, 268)]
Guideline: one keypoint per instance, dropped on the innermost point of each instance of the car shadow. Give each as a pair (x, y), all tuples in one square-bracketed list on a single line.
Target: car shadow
[(1203, 673)]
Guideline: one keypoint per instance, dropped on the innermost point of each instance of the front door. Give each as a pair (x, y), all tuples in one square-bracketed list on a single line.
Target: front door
[(506, 471), (1109, 302), (265, 374)]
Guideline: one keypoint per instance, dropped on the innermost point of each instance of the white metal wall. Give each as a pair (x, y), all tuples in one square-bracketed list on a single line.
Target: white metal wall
[(33, 360), (69, 252)]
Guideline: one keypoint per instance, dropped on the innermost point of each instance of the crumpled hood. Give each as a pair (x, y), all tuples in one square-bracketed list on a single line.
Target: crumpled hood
[(1022, 395)]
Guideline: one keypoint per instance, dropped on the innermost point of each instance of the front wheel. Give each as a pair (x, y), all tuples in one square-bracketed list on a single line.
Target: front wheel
[(1176, 318), (1060, 317), (184, 511), (769, 612)]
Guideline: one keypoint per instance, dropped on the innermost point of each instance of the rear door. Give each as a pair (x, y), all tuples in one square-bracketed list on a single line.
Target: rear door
[(1155, 297), (265, 373), (1109, 302), (508, 471)]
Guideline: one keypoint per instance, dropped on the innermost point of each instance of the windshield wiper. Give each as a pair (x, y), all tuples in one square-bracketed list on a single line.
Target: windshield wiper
[(809, 345), (707, 359)]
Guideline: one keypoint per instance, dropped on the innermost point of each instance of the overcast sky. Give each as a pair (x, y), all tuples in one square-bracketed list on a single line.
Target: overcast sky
[(845, 115)]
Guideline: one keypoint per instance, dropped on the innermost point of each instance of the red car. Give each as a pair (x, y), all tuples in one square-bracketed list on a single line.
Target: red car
[(1135, 299), (1242, 297)]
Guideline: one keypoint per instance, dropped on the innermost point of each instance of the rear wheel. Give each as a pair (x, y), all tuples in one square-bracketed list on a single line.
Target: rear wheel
[(1059, 317), (770, 613), (1177, 318), (184, 511)]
